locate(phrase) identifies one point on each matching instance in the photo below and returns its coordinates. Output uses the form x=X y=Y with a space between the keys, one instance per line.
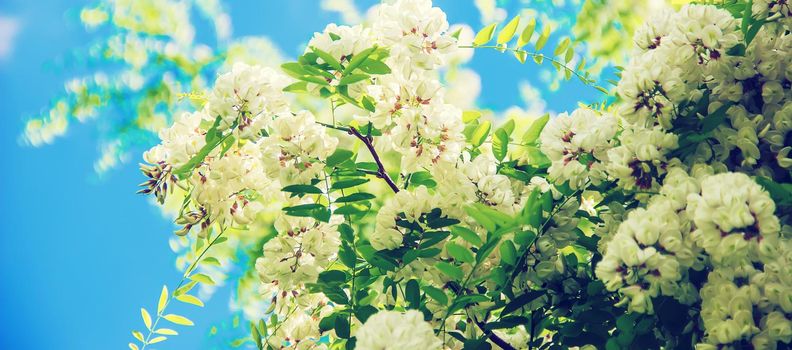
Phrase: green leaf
x=339 y=185
x=469 y=116
x=202 y=278
x=356 y=197
x=336 y=295
x=507 y=33
x=375 y=67
x=353 y=78
x=508 y=253
x=746 y=18
x=327 y=58
x=294 y=69
x=300 y=86
x=163 y=299
x=562 y=46
x=327 y=323
x=332 y=277
x=535 y=130
x=300 y=189
x=339 y=156
x=484 y=35
x=467 y=234
x=500 y=144
x=211 y=261
x=450 y=270
x=480 y=218
x=177 y=319
x=540 y=43
x=436 y=294
x=166 y=331
x=254 y=333
x=358 y=59
x=138 y=336
x=441 y=222
x=146 y=317
x=521 y=55
x=480 y=134
x=459 y=252
x=521 y=301
x=342 y=327
x=508 y=126
x=412 y=294
x=714 y=119
x=157 y=340
x=187 y=287
x=527 y=33
x=189 y=299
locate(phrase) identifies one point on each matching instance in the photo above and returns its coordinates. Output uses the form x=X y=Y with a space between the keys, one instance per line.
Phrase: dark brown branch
x=487 y=333
x=380 y=168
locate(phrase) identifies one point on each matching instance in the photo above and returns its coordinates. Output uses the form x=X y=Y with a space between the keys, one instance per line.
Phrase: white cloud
x=9 y=28
x=346 y=8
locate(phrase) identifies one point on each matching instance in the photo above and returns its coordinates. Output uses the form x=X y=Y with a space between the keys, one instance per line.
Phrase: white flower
x=405 y=205
x=248 y=97
x=295 y=148
x=577 y=145
x=732 y=214
x=179 y=142
x=392 y=330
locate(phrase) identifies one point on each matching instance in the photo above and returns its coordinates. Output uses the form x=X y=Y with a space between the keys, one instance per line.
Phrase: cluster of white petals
x=396 y=330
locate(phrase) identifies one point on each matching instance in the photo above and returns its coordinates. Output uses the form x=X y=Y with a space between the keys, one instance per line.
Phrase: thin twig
x=487 y=333
x=380 y=168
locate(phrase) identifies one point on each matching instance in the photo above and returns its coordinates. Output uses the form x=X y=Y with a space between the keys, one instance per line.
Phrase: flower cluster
x=402 y=221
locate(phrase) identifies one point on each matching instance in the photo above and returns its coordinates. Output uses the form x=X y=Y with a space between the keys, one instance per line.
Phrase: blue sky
x=79 y=252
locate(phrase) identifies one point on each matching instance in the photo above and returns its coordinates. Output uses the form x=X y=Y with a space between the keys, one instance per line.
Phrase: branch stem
x=381 y=173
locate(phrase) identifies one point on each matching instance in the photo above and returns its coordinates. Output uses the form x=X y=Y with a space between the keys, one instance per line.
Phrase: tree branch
x=489 y=333
x=380 y=168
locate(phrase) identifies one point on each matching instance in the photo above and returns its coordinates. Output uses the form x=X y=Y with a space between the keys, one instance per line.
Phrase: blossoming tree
x=660 y=219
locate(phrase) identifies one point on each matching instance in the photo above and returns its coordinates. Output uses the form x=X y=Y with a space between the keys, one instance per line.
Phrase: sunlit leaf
x=484 y=35
x=507 y=33
x=146 y=317
x=189 y=299
x=542 y=40
x=177 y=319
x=527 y=33
x=163 y=299
x=203 y=278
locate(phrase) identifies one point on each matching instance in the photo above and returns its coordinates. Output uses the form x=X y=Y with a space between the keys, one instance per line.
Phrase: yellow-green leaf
x=527 y=33
x=189 y=299
x=166 y=331
x=157 y=340
x=562 y=46
x=146 y=317
x=211 y=261
x=535 y=130
x=138 y=335
x=484 y=35
x=569 y=54
x=507 y=33
x=521 y=56
x=180 y=320
x=481 y=133
x=469 y=116
x=163 y=299
x=581 y=65
x=540 y=43
x=199 y=277
x=133 y=346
